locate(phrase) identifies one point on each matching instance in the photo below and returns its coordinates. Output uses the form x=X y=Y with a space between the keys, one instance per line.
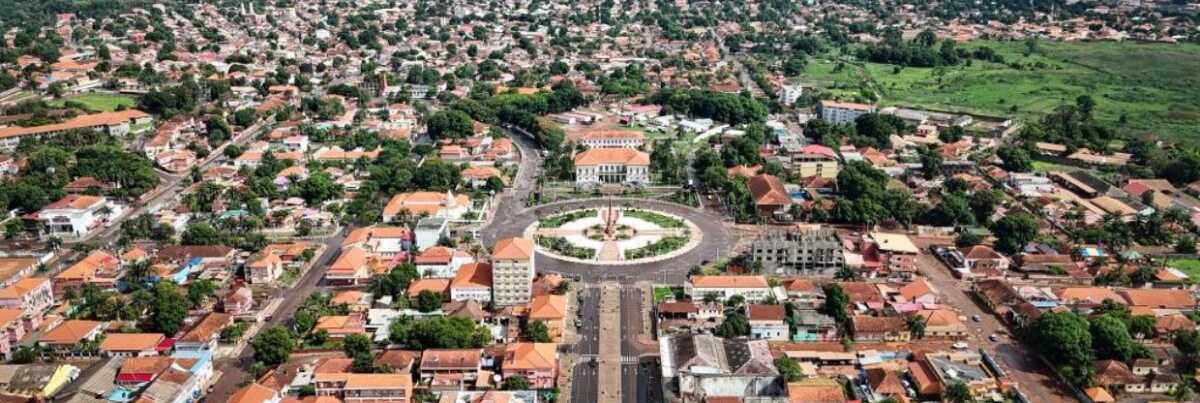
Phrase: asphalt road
x=585 y=380
x=1033 y=378
x=635 y=370
x=236 y=370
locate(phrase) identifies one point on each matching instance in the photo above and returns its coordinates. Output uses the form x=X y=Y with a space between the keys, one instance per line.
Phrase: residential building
x=842 y=112
x=788 y=94
x=943 y=324
x=98 y=268
x=352 y=267
x=536 y=362
x=441 y=261
x=133 y=344
x=114 y=123
x=433 y=204
x=753 y=288
x=768 y=322
x=31 y=295
x=451 y=369
x=67 y=338
x=880 y=328
x=812 y=251
x=815 y=160
x=387 y=243
x=771 y=199
x=552 y=311
x=472 y=282
x=205 y=334
x=597 y=166
x=74 y=216
x=814 y=326
x=513 y=268
x=263 y=268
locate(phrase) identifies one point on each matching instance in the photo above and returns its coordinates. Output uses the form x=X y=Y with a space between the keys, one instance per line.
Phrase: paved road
x=1033 y=378
x=585 y=380
x=235 y=370
x=638 y=374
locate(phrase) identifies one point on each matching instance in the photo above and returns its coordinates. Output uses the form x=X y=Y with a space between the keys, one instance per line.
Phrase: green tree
x=517 y=382
x=537 y=332
x=439 y=332
x=1014 y=231
x=428 y=301
x=273 y=346
x=1066 y=337
x=835 y=302
x=734 y=325
x=170 y=307
x=916 y=326
x=1015 y=159
x=200 y=291
x=1110 y=339
x=957 y=392
x=789 y=369
x=450 y=123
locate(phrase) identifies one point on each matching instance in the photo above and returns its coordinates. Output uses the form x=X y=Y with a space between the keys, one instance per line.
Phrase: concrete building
x=814 y=251
x=624 y=166
x=698 y=366
x=768 y=322
x=842 y=112
x=74 y=216
x=788 y=94
x=752 y=288
x=612 y=139
x=513 y=270
x=431 y=229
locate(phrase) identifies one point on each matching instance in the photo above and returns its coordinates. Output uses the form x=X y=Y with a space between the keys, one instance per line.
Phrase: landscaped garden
x=655 y=218
x=659 y=247
x=556 y=221
x=561 y=246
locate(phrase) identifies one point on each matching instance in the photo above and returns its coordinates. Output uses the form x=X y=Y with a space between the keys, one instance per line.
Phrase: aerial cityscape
x=613 y=201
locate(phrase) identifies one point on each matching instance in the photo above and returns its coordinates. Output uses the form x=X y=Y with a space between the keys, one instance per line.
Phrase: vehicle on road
x=962 y=345
x=993 y=337
x=975 y=318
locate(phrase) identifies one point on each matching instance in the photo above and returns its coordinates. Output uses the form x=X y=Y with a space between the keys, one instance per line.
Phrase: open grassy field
x=100 y=102
x=1189 y=266
x=1153 y=85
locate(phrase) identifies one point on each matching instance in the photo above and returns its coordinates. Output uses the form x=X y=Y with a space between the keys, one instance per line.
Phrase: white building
x=612 y=139
x=768 y=322
x=430 y=230
x=472 y=282
x=842 y=112
x=441 y=262
x=752 y=288
x=74 y=216
x=612 y=165
x=788 y=94
x=512 y=271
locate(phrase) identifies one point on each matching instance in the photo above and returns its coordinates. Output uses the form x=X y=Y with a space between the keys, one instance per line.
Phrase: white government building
x=624 y=166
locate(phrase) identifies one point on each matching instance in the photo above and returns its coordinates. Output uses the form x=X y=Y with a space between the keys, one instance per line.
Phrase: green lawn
x=1047 y=167
x=661 y=293
x=1152 y=84
x=1189 y=266
x=99 y=102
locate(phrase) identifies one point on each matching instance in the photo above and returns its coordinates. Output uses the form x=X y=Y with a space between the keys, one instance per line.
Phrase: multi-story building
x=842 y=112
x=114 y=123
x=788 y=94
x=536 y=362
x=814 y=251
x=31 y=295
x=624 y=166
x=815 y=160
x=768 y=322
x=612 y=139
x=512 y=271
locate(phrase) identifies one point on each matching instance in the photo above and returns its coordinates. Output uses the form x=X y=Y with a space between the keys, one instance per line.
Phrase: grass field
x=99 y=102
x=1151 y=84
x=1189 y=266
x=1047 y=167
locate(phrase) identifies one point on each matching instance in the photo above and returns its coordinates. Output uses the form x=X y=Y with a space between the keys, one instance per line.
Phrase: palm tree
x=916 y=326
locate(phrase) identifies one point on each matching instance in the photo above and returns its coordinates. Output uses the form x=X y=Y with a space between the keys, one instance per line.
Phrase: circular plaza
x=614 y=235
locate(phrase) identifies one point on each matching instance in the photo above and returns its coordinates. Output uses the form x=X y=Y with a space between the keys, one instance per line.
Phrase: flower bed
x=556 y=221
x=561 y=246
x=660 y=247
x=655 y=218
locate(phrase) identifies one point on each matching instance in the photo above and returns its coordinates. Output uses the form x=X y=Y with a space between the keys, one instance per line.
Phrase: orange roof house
x=446 y=205
x=536 y=362
x=254 y=393
x=92 y=121
x=770 y=197
x=472 y=282
x=1159 y=298
x=550 y=310
x=438 y=285
x=132 y=344
x=339 y=326
x=88 y=270
x=70 y=334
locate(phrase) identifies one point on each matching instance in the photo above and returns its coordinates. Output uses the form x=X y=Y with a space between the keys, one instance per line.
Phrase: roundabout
x=618 y=239
x=614 y=235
